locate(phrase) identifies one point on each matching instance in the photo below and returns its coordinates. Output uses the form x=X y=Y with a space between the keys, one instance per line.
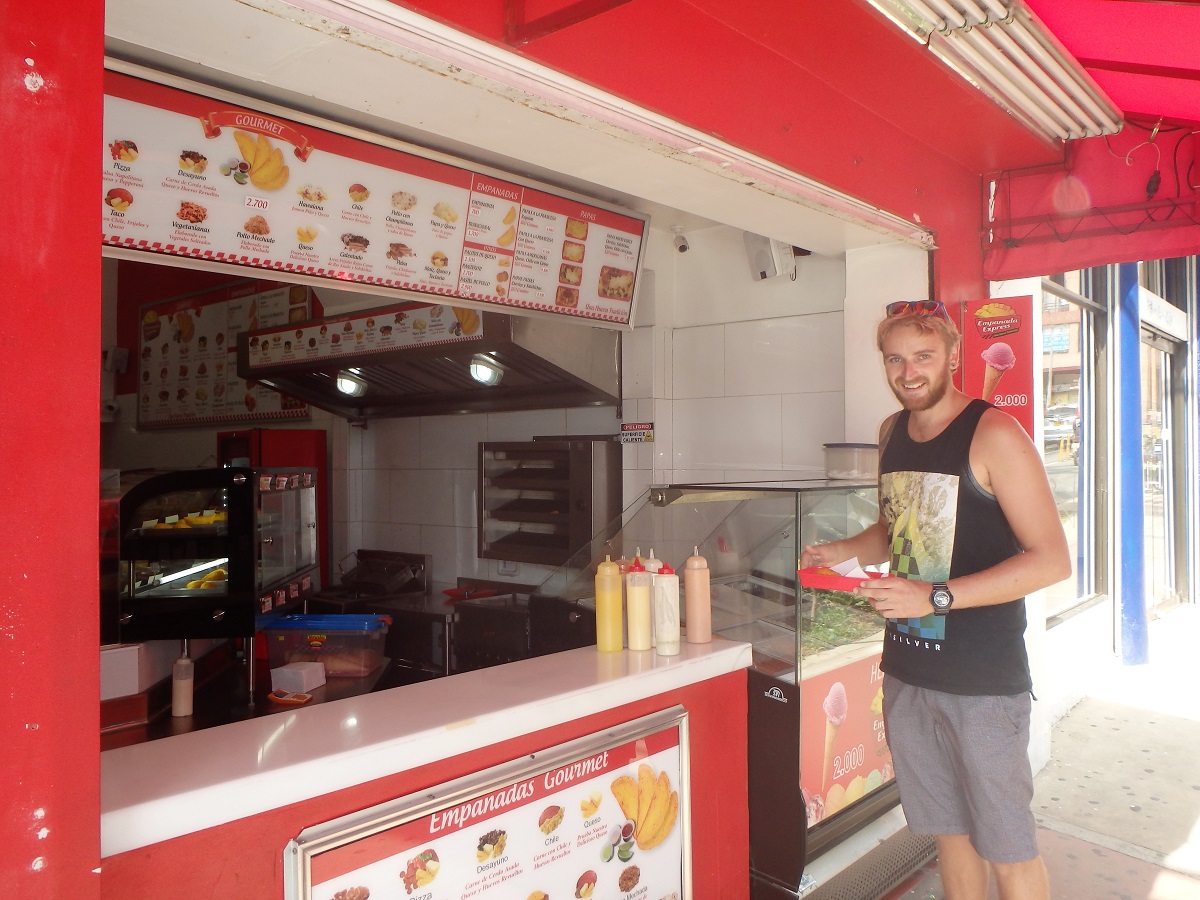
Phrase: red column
x=51 y=61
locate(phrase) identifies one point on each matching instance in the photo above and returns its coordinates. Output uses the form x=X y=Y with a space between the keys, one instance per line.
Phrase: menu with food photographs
x=188 y=176
x=608 y=821
x=187 y=357
x=372 y=331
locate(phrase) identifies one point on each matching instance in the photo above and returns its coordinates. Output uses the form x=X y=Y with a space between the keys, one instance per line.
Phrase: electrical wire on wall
x=1177 y=207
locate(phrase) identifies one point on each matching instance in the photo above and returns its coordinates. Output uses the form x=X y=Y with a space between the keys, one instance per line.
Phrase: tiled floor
x=1118 y=805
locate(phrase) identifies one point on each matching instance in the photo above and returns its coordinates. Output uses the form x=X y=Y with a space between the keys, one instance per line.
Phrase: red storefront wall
x=50 y=116
x=244 y=858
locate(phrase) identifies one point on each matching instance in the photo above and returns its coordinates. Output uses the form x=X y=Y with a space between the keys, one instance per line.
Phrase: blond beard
x=937 y=391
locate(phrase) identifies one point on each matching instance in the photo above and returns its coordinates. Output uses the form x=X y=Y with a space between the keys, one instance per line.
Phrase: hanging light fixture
x=486 y=370
x=1004 y=51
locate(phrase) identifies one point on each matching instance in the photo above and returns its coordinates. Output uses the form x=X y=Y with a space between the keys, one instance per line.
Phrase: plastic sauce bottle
x=697 y=598
x=666 y=611
x=183 y=678
x=610 y=614
x=637 y=597
x=653 y=566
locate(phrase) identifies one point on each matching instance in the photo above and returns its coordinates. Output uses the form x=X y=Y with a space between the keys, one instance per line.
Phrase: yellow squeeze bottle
x=610 y=613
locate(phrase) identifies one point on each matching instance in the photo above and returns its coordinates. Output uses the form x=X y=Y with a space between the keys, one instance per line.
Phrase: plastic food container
x=851 y=461
x=349 y=646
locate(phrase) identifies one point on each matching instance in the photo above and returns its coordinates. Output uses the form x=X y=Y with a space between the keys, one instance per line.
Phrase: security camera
x=681 y=243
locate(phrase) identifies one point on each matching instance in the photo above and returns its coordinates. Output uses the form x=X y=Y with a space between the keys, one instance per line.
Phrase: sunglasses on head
x=918 y=308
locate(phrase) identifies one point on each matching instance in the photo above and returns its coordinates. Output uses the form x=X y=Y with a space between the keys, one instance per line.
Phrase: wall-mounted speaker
x=768 y=258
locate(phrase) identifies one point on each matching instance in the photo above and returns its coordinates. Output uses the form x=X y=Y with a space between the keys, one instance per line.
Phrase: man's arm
x=1005 y=463
x=870 y=546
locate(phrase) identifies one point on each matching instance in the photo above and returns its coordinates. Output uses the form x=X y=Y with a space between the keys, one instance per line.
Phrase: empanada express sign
x=998 y=360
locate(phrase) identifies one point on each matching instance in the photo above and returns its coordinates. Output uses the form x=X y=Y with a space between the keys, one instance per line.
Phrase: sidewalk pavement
x=1118 y=805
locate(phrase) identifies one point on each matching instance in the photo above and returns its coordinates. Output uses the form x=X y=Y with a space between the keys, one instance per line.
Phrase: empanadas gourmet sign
x=188 y=176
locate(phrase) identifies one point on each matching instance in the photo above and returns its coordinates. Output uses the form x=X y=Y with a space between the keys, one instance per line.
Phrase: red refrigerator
x=282 y=447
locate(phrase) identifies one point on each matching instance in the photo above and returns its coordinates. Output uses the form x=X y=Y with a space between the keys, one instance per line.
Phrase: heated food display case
x=819 y=764
x=541 y=500
x=214 y=552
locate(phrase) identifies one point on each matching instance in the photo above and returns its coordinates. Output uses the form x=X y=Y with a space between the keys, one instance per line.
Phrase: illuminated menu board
x=188 y=176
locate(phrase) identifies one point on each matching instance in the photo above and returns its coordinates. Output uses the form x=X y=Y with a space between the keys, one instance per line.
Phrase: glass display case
x=819 y=764
x=214 y=552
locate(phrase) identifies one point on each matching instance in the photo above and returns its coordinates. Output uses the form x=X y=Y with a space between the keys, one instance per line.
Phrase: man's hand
x=897 y=598
x=818 y=555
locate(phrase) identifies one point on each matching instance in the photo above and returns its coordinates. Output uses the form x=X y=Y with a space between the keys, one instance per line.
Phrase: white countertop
x=162 y=789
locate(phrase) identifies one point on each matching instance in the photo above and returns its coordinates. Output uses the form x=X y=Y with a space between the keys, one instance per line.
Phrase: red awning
x=1145 y=54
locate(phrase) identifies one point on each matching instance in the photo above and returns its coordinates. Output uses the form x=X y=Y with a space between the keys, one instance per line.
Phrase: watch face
x=940 y=599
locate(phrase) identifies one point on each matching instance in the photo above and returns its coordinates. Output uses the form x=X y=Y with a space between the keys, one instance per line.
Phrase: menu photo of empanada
x=567 y=297
x=616 y=284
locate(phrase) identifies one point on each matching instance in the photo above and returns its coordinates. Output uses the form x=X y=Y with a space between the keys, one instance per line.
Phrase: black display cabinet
x=214 y=553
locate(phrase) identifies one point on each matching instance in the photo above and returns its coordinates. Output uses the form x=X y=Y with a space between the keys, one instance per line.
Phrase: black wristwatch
x=941 y=598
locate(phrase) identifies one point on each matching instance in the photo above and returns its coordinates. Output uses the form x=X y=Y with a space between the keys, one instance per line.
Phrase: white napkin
x=850 y=569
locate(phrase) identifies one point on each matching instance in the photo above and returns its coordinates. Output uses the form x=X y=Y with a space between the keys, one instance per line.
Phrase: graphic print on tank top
x=920 y=509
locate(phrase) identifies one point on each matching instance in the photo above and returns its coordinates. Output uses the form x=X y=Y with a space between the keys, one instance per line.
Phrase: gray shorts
x=962 y=764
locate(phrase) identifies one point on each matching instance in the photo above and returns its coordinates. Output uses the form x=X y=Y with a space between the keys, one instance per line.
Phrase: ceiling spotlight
x=486 y=370
x=351 y=383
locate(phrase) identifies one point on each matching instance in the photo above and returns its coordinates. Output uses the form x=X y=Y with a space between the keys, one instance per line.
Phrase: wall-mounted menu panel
x=189 y=176
x=187 y=356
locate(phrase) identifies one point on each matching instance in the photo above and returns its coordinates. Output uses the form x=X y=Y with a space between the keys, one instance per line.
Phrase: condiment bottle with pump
x=666 y=611
x=610 y=615
x=697 y=598
x=637 y=598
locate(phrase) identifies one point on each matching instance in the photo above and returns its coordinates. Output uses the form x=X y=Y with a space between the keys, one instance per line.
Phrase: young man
x=969 y=526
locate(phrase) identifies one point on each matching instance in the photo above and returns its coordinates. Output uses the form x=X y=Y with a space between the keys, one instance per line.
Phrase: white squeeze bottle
x=652 y=566
x=651 y=563
x=183 y=679
x=697 y=598
x=609 y=612
x=666 y=611
x=637 y=600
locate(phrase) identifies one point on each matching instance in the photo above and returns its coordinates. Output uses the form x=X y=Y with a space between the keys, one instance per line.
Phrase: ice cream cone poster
x=843 y=749
x=997 y=355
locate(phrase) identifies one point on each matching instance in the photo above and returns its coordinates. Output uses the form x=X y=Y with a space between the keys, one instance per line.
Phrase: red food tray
x=813 y=577
x=469 y=593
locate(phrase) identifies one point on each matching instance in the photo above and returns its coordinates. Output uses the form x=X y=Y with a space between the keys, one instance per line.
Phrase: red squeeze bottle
x=697 y=599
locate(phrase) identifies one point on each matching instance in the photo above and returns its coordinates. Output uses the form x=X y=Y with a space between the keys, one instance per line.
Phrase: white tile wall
x=452 y=441
x=397 y=443
x=728 y=433
x=794 y=355
x=809 y=422
x=698 y=362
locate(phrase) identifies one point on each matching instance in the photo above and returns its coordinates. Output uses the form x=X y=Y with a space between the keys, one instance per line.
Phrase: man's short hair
x=925 y=324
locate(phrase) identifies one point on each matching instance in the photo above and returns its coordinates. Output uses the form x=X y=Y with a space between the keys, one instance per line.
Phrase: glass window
x=1157 y=488
x=1056 y=339
x=1068 y=360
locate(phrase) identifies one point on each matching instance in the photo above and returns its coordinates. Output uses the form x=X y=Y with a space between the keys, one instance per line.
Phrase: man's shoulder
x=996 y=423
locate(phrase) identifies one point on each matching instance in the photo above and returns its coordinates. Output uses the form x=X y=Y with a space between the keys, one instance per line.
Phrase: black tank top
x=944 y=525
